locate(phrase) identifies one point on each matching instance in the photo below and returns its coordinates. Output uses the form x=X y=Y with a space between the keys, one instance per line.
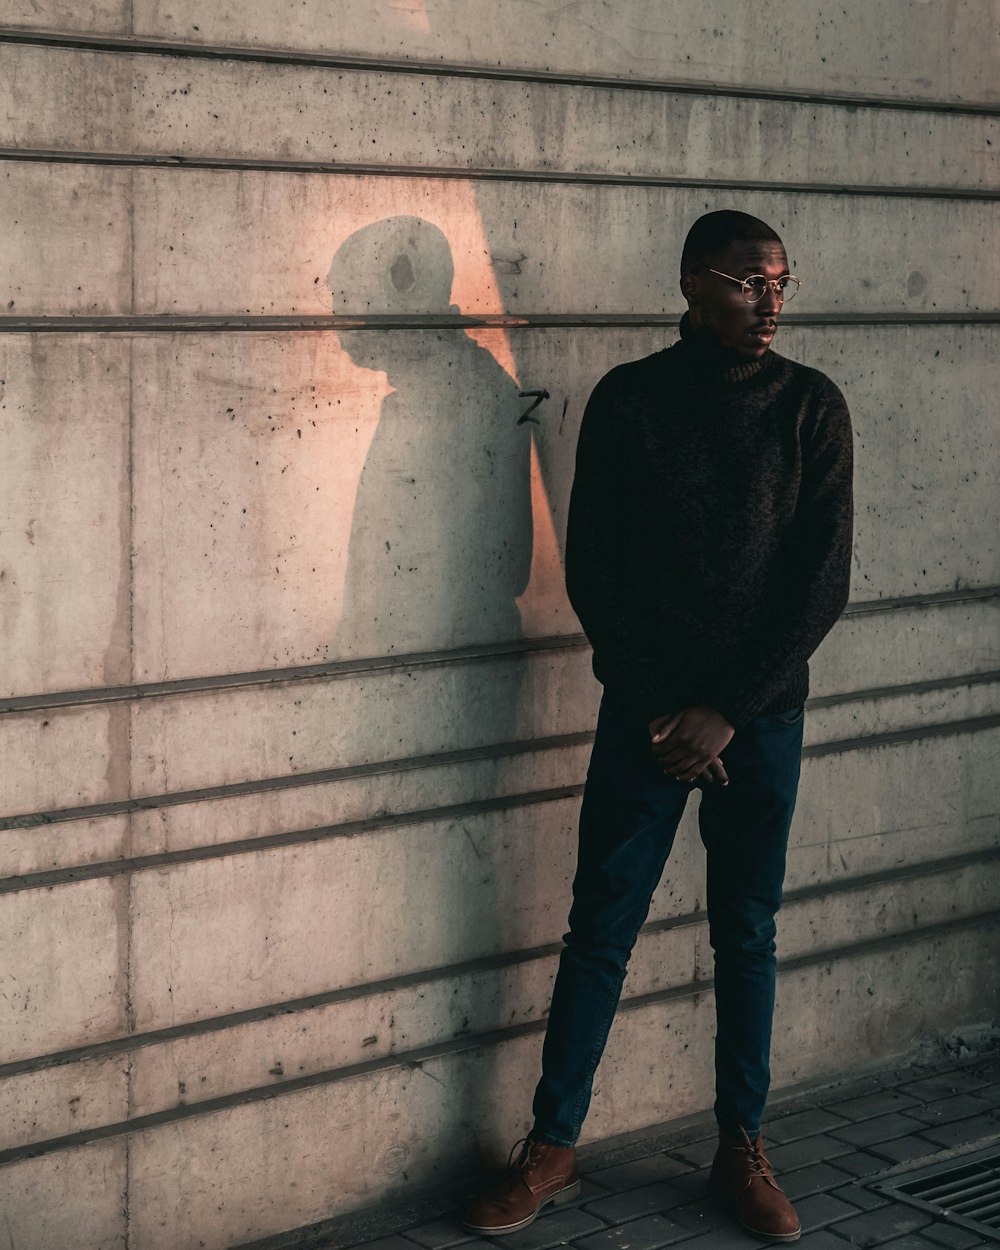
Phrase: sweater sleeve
x=813 y=579
x=599 y=578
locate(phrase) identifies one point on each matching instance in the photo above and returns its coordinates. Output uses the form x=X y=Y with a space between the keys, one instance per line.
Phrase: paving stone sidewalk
x=827 y=1147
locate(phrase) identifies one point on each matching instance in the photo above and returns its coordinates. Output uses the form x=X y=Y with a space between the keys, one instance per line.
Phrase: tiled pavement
x=642 y=1193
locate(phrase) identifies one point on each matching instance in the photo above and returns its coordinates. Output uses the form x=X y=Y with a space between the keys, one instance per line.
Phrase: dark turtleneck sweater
x=709 y=540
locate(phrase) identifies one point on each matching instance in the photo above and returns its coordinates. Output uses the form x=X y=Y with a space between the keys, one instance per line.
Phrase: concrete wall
x=295 y=713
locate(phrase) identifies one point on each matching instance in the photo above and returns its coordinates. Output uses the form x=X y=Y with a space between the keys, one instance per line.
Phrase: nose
x=771 y=302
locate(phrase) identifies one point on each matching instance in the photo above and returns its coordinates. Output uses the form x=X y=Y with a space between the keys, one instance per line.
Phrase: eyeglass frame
x=771 y=282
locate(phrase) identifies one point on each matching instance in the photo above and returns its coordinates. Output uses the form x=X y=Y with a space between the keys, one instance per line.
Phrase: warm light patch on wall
x=449 y=205
x=410 y=14
x=365 y=280
x=544 y=597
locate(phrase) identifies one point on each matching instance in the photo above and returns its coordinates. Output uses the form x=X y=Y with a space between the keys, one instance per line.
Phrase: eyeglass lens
x=755 y=286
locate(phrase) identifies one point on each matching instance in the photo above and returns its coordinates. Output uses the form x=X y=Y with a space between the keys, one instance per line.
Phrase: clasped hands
x=687 y=744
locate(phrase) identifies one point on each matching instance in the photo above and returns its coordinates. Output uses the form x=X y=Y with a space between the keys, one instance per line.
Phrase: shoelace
x=524 y=1159
x=759 y=1165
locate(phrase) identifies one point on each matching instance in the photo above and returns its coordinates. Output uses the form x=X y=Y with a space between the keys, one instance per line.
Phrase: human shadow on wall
x=441 y=533
x=440 y=550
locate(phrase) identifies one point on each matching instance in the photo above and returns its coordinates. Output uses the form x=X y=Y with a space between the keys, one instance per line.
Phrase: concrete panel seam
x=480 y=173
x=130 y=1013
x=491 y=751
x=390 y=820
x=412 y=1059
x=204 y=323
x=846 y=950
x=450 y=972
x=416 y=1058
x=291 y=781
x=215 y=1024
x=295 y=837
x=905 y=688
x=445 y=658
x=440 y=69
x=334 y=670
x=963 y=595
x=894 y=737
x=890 y=941
x=899 y=872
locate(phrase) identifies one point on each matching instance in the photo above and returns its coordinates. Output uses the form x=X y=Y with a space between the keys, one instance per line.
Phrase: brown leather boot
x=741 y=1177
x=541 y=1175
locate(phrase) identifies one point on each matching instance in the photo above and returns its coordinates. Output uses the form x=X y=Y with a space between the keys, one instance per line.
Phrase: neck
x=714 y=360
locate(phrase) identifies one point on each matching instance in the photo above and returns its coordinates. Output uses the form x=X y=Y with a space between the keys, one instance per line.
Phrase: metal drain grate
x=965 y=1189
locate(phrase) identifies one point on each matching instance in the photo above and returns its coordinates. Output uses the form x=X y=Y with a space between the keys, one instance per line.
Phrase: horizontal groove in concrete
x=481 y=173
x=441 y=69
x=933 y=599
x=905 y=688
x=290 y=781
x=884 y=876
x=897 y=736
x=203 y=323
x=217 y=1024
x=294 y=837
x=396 y=820
x=415 y=1058
x=333 y=669
x=412 y=660
x=287 y=781
x=486 y=963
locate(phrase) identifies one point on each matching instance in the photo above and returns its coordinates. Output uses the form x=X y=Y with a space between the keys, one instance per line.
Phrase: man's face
x=718 y=305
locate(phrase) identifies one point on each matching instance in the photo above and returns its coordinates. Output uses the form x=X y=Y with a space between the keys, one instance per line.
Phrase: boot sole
x=755 y=1232
x=557 y=1200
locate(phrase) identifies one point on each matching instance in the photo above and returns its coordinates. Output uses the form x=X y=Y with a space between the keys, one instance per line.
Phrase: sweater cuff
x=740 y=711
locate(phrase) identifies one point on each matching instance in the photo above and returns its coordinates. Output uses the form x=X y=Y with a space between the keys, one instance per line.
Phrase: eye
x=783 y=282
x=756 y=284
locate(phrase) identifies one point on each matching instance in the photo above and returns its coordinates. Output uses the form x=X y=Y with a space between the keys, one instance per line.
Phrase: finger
x=689 y=771
x=691 y=768
x=667 y=728
x=674 y=754
x=717 y=771
x=662 y=751
x=686 y=759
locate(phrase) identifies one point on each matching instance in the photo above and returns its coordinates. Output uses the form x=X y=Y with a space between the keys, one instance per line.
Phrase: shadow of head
x=400 y=267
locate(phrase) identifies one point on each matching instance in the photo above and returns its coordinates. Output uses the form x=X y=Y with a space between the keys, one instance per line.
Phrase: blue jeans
x=629 y=817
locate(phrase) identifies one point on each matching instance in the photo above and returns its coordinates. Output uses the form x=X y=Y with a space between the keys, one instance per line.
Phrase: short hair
x=714 y=231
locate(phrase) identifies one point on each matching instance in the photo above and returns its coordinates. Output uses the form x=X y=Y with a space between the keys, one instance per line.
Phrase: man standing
x=708 y=553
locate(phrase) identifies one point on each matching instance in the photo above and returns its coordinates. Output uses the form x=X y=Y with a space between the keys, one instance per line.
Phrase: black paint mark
x=526 y=415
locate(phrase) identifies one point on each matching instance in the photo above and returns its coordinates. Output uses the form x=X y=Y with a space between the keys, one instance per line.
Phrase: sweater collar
x=711 y=359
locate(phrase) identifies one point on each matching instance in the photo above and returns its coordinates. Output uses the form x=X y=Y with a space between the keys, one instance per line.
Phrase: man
x=708 y=553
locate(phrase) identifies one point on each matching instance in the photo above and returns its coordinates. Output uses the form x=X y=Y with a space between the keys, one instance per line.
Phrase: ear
x=689 y=288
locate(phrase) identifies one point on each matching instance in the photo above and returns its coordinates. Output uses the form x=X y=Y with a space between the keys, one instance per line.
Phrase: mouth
x=763 y=332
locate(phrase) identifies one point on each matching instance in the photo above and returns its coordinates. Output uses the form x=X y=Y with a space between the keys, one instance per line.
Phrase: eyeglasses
x=755 y=287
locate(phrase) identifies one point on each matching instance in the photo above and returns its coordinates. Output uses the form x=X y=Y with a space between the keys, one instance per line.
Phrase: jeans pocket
x=793 y=716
